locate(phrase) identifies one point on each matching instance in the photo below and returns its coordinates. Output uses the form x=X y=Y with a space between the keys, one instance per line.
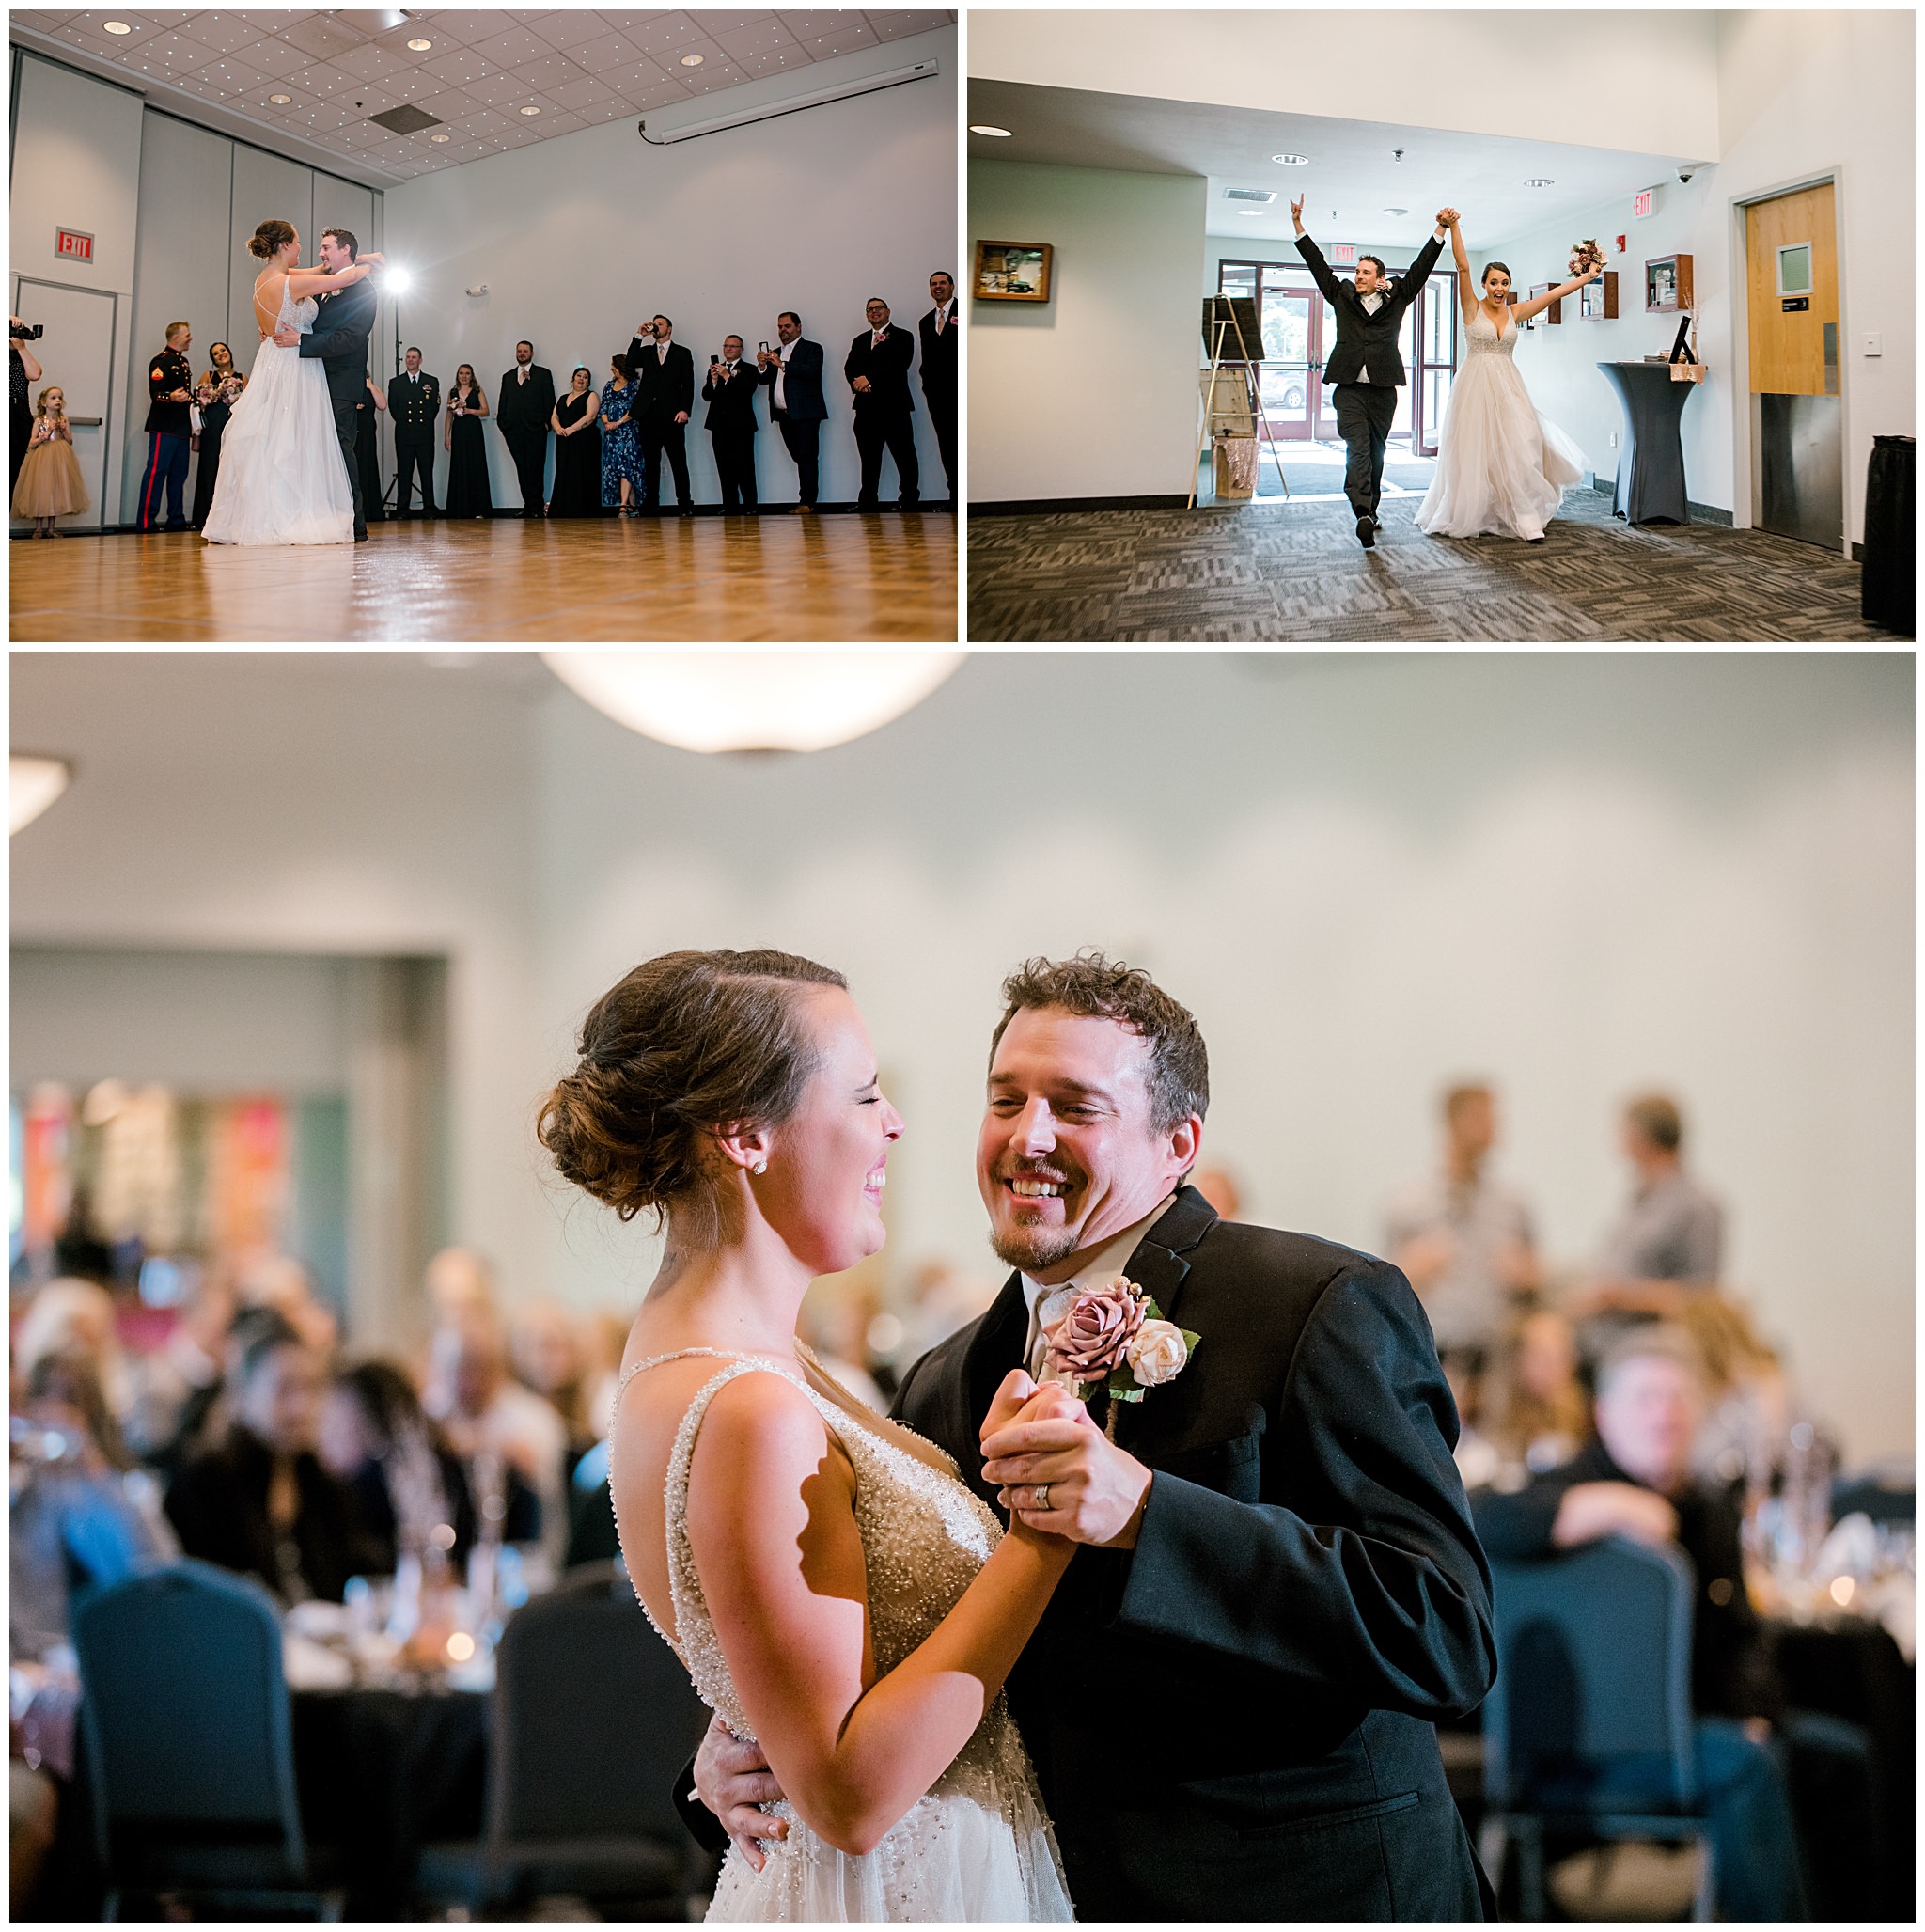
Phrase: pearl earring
x=761 y=1167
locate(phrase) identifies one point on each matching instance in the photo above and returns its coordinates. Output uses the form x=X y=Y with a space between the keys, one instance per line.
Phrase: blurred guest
x=1541 y=1416
x=220 y=388
x=491 y=1421
x=523 y=405
x=50 y=484
x=260 y=1502
x=411 y=1492
x=577 y=450
x=1671 y=1236
x=621 y=445
x=1218 y=1186
x=1747 y=1392
x=1479 y=1461
x=84 y=1514
x=940 y=357
x=1463 y=1238
x=834 y=1322
x=605 y=1336
x=269 y=1280
x=1635 y=1480
x=178 y=1385
x=876 y=368
x=793 y=371
x=458 y=1279
x=74 y=1317
x=368 y=414
x=414 y=401
x=170 y=389
x=730 y=393
x=22 y=372
x=666 y=396
x=468 y=494
x=545 y=1350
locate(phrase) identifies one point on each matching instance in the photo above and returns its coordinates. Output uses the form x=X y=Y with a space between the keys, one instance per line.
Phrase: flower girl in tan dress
x=50 y=483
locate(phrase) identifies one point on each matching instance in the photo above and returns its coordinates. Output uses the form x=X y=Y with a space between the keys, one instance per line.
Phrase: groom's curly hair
x=1093 y=987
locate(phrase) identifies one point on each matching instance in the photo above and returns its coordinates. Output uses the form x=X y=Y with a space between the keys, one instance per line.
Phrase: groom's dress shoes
x=1367 y=532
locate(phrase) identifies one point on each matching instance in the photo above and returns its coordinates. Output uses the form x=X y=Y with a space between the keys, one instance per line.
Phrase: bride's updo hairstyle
x=1498 y=267
x=270 y=237
x=686 y=1045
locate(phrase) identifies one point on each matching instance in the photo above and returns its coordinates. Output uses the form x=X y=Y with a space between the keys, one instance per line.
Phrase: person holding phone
x=730 y=393
x=792 y=373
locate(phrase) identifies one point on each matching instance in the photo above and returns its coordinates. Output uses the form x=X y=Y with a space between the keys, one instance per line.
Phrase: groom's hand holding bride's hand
x=733 y=1780
x=1042 y=1439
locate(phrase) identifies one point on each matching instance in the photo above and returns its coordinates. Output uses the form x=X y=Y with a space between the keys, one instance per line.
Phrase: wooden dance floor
x=838 y=578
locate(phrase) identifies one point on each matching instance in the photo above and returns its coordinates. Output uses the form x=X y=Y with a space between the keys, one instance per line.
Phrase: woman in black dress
x=468 y=458
x=577 y=451
x=368 y=414
x=219 y=390
x=22 y=371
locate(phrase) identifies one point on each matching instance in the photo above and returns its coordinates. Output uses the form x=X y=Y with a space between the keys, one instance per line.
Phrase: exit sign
x=1344 y=254
x=1641 y=205
x=72 y=245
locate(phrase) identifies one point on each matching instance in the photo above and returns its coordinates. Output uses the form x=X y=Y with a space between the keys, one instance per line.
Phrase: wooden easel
x=1222 y=320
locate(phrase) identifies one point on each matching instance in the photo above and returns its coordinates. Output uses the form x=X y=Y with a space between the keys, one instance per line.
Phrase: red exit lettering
x=1641 y=205
x=1344 y=254
x=73 y=245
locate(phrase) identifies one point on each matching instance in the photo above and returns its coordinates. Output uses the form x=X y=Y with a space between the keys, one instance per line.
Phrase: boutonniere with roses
x=1113 y=1337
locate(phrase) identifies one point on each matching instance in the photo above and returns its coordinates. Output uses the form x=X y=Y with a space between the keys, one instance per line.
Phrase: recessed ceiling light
x=437 y=137
x=116 y=26
x=1293 y=160
x=280 y=100
x=1255 y=213
x=1540 y=181
x=531 y=110
x=691 y=60
x=419 y=46
x=1397 y=211
x=977 y=127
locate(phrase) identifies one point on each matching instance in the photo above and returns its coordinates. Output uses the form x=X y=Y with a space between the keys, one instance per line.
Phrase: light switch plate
x=1871 y=343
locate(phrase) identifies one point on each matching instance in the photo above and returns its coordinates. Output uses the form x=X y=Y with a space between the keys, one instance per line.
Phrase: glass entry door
x=1289 y=374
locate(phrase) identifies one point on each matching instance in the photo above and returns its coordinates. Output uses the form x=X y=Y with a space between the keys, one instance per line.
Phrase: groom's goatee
x=1033 y=1247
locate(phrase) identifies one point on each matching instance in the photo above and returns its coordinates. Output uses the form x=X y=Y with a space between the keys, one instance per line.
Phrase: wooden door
x=1794 y=349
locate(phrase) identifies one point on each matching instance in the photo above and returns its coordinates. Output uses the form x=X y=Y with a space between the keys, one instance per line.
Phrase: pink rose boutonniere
x=1114 y=1337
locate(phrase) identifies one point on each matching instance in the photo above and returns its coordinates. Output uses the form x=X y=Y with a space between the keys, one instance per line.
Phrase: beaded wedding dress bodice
x=1486 y=339
x=977 y=1846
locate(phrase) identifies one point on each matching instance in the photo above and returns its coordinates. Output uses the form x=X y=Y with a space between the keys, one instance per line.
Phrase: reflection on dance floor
x=824 y=580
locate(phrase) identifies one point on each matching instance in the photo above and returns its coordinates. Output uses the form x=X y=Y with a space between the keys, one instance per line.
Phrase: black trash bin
x=1887 y=591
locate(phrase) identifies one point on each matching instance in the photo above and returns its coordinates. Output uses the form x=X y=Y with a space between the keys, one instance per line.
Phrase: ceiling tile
x=83 y=30
x=323 y=80
x=177 y=54
x=719 y=23
x=553 y=121
x=498 y=89
x=759 y=36
x=805 y=26
x=610 y=50
x=42 y=22
x=574 y=27
x=541 y=76
x=459 y=66
x=779 y=61
x=226 y=33
x=844 y=41
x=598 y=112
x=376 y=62
x=278 y=56
x=322 y=36
x=899 y=27
x=638 y=77
x=623 y=22
x=667 y=95
x=578 y=94
x=669 y=31
x=234 y=77
x=512 y=48
x=466 y=27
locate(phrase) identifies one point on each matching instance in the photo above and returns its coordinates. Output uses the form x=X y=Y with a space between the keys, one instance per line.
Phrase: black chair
x=185 y=1727
x=593 y=1720
x=1593 y=1676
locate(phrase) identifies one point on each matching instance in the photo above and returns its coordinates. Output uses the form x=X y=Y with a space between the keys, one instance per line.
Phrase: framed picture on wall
x=1012 y=271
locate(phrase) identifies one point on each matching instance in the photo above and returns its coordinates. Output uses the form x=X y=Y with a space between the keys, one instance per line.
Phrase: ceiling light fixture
x=115 y=26
x=33 y=781
x=1255 y=213
x=977 y=127
x=752 y=701
x=1292 y=160
x=531 y=110
x=280 y=100
x=1539 y=181
x=692 y=59
x=437 y=137
x=1397 y=211
x=419 y=46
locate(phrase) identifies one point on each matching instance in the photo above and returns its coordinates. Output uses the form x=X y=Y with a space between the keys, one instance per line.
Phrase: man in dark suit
x=877 y=366
x=522 y=406
x=1367 y=366
x=794 y=375
x=940 y=334
x=1231 y=1700
x=730 y=393
x=368 y=414
x=414 y=401
x=666 y=396
x=339 y=341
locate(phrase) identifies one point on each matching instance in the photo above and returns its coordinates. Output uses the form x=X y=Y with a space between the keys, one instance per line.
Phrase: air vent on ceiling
x=407 y=119
x=1249 y=194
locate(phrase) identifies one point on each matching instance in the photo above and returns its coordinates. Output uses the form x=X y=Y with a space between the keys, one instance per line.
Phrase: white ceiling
x=1352 y=166
x=482 y=68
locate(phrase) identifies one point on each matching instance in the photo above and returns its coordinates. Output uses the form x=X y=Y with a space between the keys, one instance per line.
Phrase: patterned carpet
x=1295 y=574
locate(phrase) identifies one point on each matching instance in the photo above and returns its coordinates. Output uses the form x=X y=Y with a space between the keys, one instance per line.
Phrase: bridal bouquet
x=1114 y=1337
x=1585 y=257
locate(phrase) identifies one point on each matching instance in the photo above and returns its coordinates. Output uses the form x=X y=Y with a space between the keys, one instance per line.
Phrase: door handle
x=85 y=422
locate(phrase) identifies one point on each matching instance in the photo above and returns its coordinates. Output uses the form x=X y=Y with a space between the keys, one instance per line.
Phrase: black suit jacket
x=414 y=407
x=731 y=404
x=665 y=385
x=802 y=386
x=520 y=406
x=939 y=356
x=1305 y=1596
x=1359 y=334
x=888 y=370
x=338 y=341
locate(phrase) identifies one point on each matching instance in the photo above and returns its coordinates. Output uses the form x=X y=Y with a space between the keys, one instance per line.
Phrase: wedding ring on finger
x=1042 y=1495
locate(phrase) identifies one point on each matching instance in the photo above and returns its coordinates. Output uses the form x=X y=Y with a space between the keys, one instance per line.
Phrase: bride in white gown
x=836 y=1592
x=282 y=478
x=1502 y=469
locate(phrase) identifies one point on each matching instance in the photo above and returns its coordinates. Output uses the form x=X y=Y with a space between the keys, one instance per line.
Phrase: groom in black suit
x=1367 y=365
x=339 y=341
x=1231 y=1700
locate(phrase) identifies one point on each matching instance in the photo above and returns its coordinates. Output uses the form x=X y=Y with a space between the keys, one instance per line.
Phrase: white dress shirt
x=1104 y=1265
x=783 y=354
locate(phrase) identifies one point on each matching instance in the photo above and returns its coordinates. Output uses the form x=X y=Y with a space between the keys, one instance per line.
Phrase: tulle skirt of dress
x=283 y=479
x=1502 y=469
x=956 y=1856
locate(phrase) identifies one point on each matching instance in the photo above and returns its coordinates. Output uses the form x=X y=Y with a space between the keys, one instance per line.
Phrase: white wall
x=577 y=237
x=1800 y=94
x=1121 y=326
x=1579 y=874
x=1531 y=72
